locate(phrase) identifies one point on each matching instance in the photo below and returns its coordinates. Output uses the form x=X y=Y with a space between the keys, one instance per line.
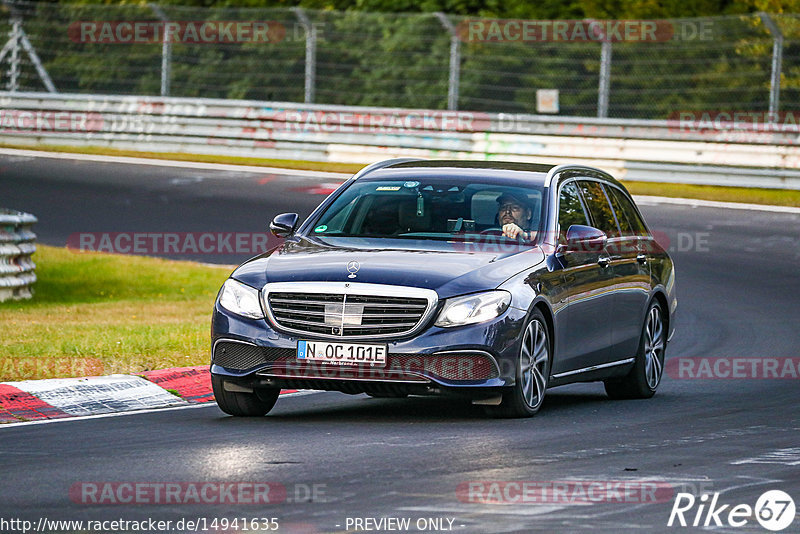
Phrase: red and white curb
x=59 y=398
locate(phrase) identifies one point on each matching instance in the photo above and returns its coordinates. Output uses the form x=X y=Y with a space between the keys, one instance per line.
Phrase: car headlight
x=240 y=299
x=472 y=309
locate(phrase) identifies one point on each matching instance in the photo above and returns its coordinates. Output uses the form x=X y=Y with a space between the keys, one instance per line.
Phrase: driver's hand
x=513 y=231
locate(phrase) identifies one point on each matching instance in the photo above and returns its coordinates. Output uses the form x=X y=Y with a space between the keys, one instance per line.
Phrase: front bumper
x=470 y=359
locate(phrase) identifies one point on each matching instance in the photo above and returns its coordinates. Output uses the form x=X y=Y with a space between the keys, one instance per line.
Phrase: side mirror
x=582 y=238
x=283 y=225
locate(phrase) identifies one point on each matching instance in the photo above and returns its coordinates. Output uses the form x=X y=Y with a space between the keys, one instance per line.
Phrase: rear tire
x=648 y=368
x=242 y=404
x=532 y=372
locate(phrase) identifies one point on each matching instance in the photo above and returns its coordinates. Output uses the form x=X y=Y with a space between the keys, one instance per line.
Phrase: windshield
x=433 y=208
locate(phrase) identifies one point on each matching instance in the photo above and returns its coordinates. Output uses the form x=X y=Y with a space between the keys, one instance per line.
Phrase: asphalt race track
x=341 y=458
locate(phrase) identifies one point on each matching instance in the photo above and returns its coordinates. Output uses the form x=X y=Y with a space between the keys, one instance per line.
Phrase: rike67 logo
x=774 y=510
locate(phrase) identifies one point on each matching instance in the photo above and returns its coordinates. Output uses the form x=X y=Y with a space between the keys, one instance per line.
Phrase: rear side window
x=599 y=208
x=622 y=203
x=570 y=208
x=622 y=218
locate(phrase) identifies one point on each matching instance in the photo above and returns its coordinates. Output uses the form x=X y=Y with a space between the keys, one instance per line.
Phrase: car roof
x=475 y=164
x=491 y=170
x=537 y=173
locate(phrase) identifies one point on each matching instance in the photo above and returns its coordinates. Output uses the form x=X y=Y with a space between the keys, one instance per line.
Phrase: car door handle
x=641 y=258
x=604 y=261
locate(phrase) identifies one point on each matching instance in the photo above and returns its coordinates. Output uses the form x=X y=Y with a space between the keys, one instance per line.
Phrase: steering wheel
x=493 y=231
x=499 y=232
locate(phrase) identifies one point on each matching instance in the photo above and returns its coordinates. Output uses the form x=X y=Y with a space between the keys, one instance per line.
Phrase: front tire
x=241 y=404
x=642 y=381
x=532 y=372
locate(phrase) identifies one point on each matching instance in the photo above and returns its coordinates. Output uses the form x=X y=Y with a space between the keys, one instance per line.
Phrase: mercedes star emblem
x=352 y=267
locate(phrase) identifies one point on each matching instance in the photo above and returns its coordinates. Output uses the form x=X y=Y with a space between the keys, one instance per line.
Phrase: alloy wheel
x=534 y=358
x=654 y=347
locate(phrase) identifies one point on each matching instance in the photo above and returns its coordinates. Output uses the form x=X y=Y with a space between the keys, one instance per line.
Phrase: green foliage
x=524 y=9
x=368 y=54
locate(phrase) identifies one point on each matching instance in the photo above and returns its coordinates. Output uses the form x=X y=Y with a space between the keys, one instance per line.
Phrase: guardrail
x=17 y=243
x=680 y=151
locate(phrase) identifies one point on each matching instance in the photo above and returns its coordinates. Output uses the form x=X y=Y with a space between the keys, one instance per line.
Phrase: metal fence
x=429 y=61
x=630 y=149
x=17 y=243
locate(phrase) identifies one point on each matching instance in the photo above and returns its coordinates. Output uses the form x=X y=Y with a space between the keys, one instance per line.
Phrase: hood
x=449 y=268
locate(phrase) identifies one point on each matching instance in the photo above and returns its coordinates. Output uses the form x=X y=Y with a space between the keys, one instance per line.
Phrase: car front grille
x=346 y=315
x=243 y=356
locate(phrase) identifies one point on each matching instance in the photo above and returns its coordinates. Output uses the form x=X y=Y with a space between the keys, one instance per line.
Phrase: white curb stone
x=100 y=395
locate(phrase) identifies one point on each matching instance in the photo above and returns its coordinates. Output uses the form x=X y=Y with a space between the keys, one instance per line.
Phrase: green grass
x=349 y=168
x=95 y=313
x=750 y=195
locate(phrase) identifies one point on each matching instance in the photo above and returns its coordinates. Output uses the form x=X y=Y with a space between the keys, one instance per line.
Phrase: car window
x=337 y=223
x=637 y=226
x=570 y=208
x=484 y=205
x=599 y=208
x=430 y=208
x=622 y=218
x=484 y=208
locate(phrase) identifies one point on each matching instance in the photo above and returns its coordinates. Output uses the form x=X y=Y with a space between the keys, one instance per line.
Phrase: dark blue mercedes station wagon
x=489 y=281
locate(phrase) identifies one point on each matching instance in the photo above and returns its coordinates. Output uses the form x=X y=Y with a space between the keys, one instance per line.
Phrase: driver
x=514 y=215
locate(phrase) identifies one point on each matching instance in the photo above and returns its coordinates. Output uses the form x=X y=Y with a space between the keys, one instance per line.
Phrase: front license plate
x=341 y=353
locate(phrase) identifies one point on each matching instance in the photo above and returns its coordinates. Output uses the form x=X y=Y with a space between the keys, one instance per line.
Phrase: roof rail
x=569 y=166
x=381 y=164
